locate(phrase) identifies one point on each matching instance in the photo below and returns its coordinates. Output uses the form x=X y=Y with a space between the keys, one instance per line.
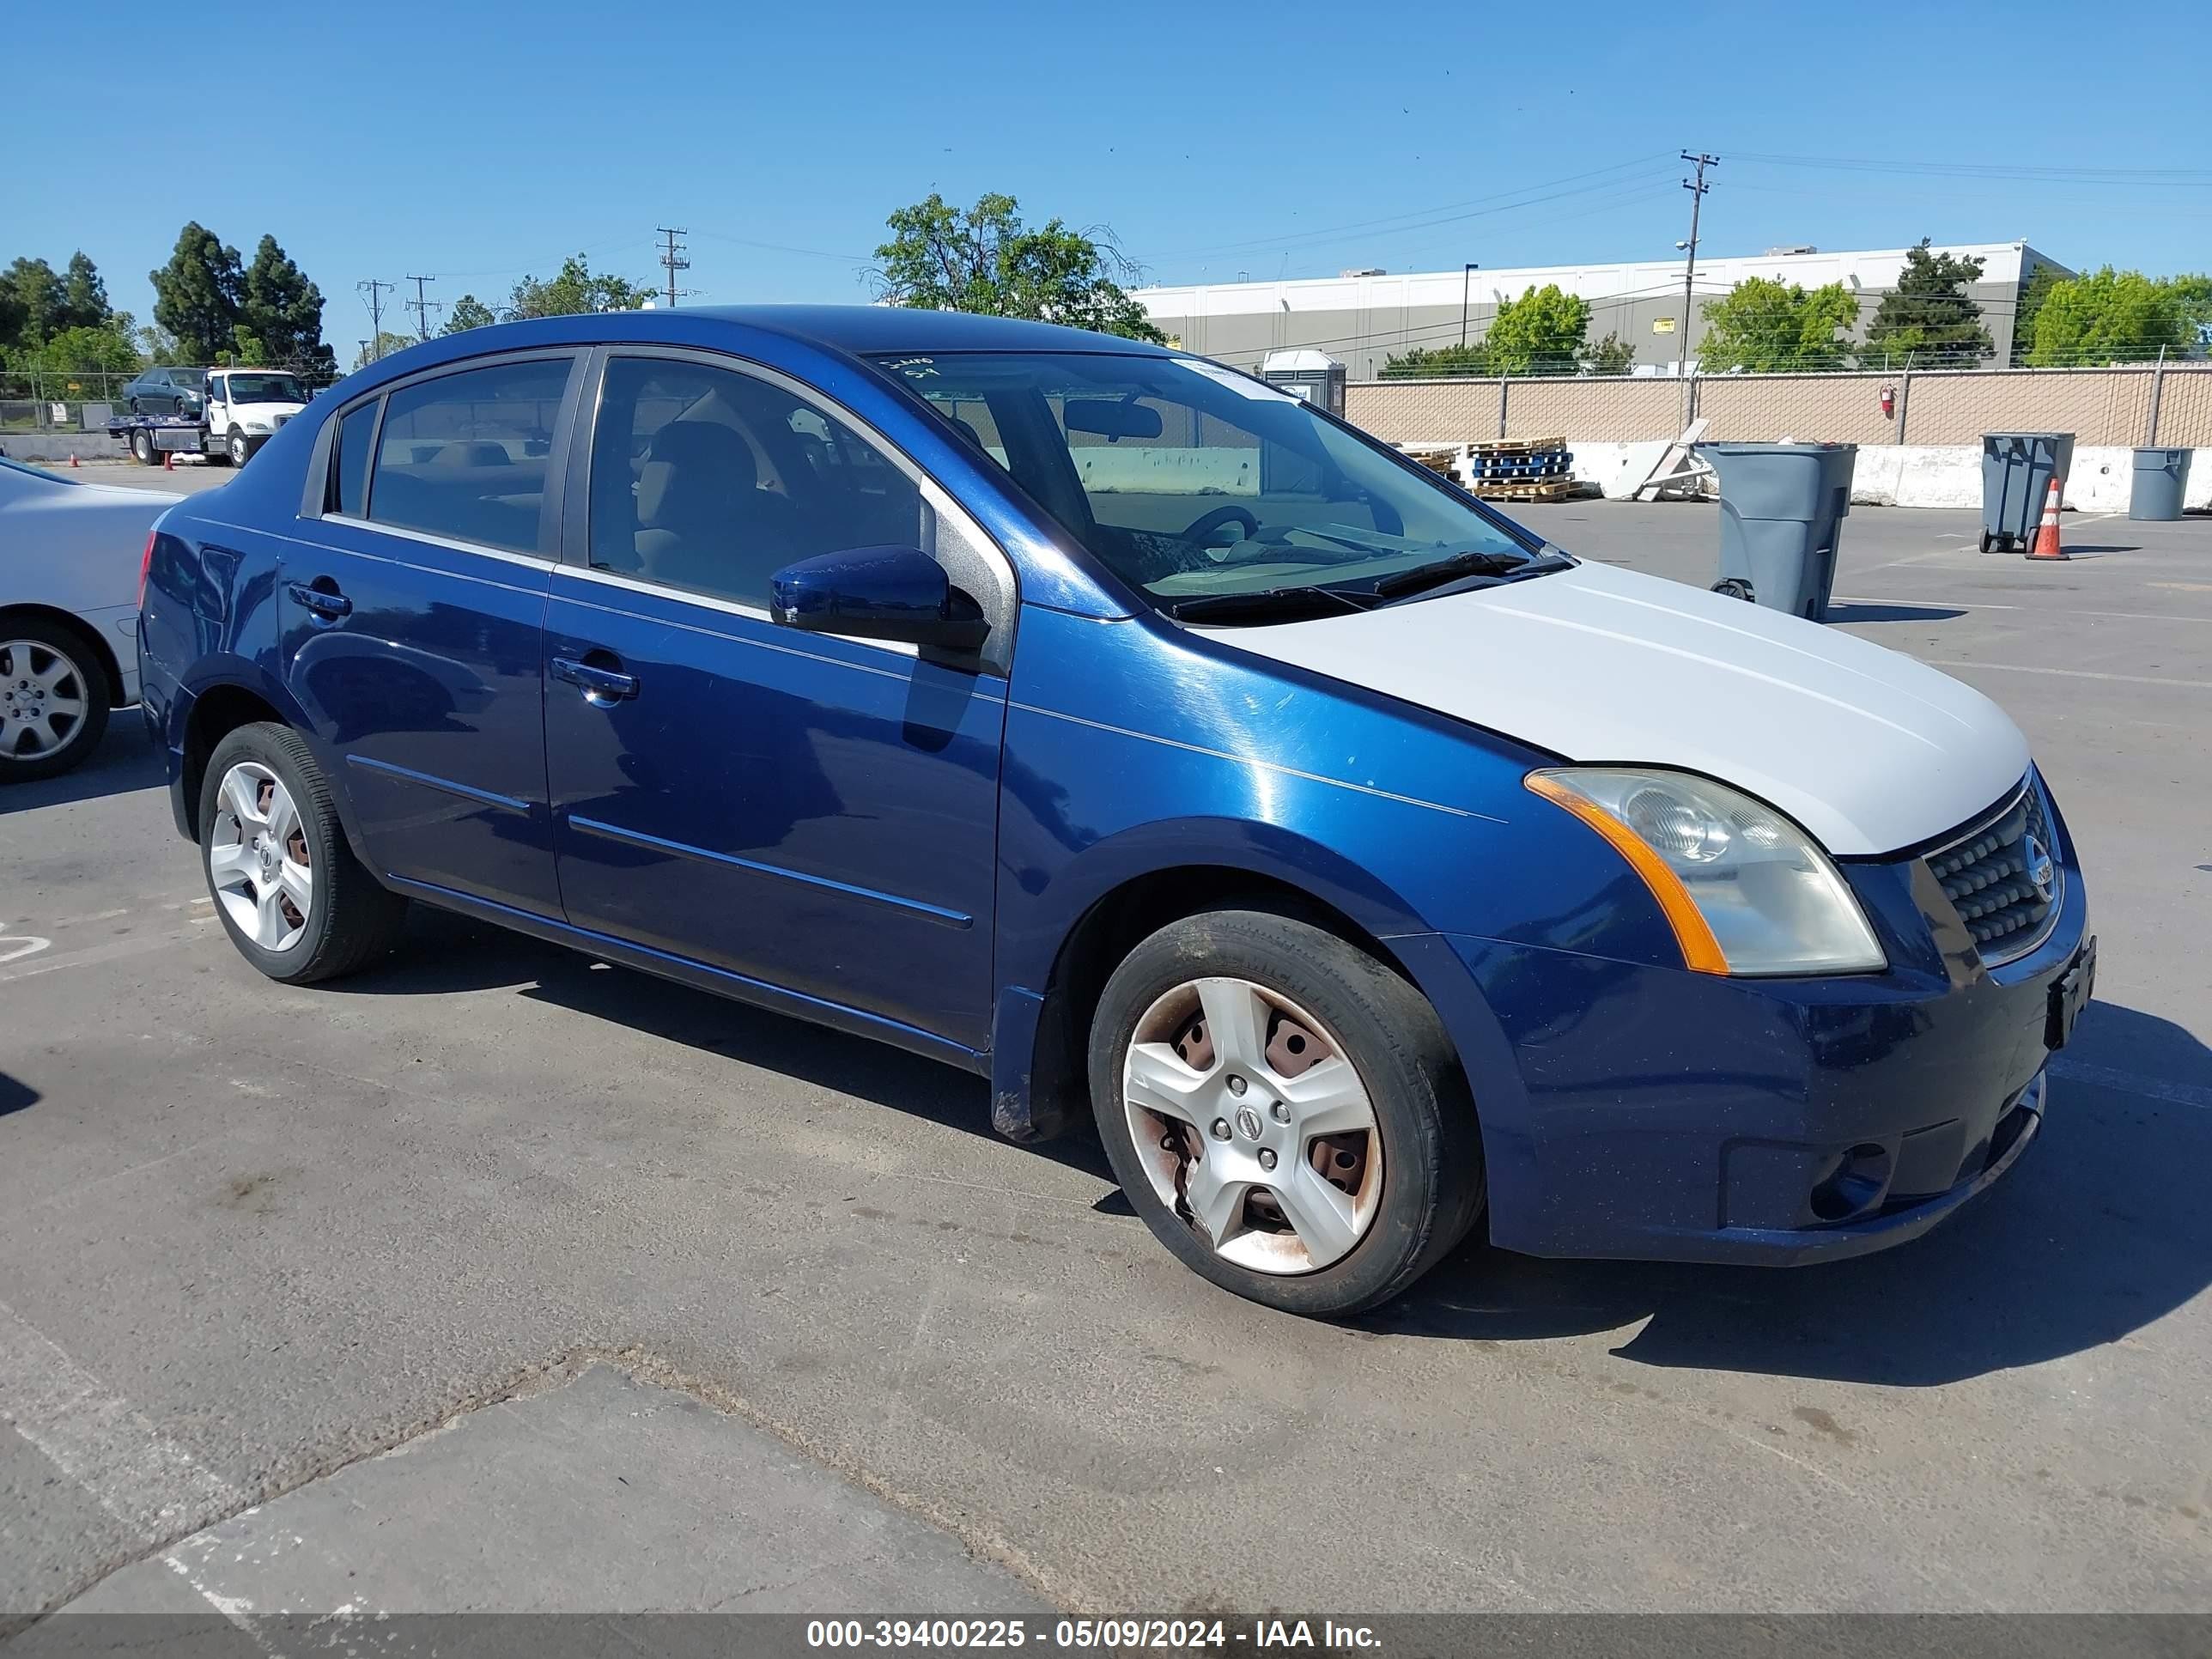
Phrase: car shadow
x=444 y=952
x=124 y=762
x=15 y=1095
x=2100 y=1229
x=1877 y=613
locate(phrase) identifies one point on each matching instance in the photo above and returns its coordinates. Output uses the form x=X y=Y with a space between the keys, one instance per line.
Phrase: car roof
x=869 y=330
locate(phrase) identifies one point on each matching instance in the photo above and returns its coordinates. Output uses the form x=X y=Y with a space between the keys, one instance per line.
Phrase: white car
x=71 y=554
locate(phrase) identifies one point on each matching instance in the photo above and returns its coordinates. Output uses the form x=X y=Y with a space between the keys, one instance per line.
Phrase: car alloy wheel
x=1253 y=1126
x=258 y=859
x=42 y=700
x=239 y=450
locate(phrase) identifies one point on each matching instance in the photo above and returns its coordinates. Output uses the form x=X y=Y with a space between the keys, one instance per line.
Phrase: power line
x=673 y=259
x=422 y=307
x=375 y=289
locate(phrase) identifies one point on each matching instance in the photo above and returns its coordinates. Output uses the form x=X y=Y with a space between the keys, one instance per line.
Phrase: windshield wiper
x=1268 y=604
x=1485 y=563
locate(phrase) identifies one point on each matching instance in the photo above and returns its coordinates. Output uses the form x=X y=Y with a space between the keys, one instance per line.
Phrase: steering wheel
x=1202 y=531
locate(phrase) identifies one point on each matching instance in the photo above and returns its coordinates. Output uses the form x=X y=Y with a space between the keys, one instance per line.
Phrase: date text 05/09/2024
x=1109 y=1635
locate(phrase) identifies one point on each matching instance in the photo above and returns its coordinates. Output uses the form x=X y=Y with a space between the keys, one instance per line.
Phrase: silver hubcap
x=1253 y=1126
x=42 y=699
x=258 y=859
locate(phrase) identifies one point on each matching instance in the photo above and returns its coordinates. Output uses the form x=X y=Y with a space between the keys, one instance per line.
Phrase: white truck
x=233 y=415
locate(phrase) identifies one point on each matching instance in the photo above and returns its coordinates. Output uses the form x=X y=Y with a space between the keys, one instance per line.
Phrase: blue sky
x=478 y=140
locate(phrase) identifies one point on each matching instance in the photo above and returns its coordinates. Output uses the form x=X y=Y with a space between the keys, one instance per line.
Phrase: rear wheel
x=53 y=700
x=293 y=899
x=1734 y=588
x=1283 y=1111
x=141 y=445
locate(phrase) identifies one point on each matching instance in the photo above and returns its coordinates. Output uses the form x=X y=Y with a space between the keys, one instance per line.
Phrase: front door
x=817 y=815
x=413 y=626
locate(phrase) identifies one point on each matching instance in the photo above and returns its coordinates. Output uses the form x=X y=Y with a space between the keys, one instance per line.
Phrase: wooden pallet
x=1445 y=461
x=1517 y=447
x=1552 y=489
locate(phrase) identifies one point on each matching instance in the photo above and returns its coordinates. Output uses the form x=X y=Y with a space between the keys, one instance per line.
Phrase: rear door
x=413 y=623
x=817 y=814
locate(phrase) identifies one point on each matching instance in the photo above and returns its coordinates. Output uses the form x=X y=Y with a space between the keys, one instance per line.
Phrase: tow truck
x=235 y=414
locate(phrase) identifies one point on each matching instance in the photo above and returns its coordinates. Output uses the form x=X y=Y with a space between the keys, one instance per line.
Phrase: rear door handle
x=601 y=685
x=323 y=601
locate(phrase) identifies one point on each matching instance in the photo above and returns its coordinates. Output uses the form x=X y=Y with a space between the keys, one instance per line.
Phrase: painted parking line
x=2070 y=673
x=2132 y=1083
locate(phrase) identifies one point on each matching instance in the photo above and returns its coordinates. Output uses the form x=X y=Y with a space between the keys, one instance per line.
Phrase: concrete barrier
x=60 y=446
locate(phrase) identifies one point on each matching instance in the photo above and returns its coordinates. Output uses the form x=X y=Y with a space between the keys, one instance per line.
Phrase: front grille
x=279 y=421
x=1988 y=874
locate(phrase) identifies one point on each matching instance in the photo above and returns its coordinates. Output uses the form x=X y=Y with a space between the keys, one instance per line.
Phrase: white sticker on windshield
x=1243 y=385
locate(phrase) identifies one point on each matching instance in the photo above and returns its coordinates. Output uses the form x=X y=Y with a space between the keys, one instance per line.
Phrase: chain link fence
x=2151 y=404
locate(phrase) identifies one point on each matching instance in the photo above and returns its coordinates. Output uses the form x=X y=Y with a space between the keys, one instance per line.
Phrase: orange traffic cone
x=2046 y=535
x=168 y=460
x=72 y=458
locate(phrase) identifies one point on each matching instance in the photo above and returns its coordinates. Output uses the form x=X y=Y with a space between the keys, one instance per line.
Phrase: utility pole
x=375 y=289
x=1466 y=289
x=422 y=307
x=673 y=259
x=1697 y=189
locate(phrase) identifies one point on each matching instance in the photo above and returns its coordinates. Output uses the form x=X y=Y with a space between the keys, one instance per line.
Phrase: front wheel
x=1284 y=1112
x=293 y=899
x=241 y=449
x=53 y=700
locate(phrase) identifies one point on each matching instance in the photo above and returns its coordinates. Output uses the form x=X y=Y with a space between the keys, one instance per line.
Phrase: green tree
x=104 y=350
x=282 y=312
x=383 y=345
x=35 y=301
x=985 y=259
x=2195 y=294
x=1611 y=355
x=2112 y=317
x=468 y=312
x=574 y=288
x=2031 y=302
x=84 y=296
x=1764 y=324
x=199 y=294
x=1540 y=333
x=1928 y=318
x=1438 y=362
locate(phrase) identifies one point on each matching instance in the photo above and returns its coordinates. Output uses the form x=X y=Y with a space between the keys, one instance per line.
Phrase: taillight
x=146 y=567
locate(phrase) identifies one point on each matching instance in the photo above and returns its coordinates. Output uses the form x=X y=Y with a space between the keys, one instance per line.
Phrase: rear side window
x=465 y=455
x=355 y=429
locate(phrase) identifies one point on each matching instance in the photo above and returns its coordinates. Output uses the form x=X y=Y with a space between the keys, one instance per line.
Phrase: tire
x=1426 y=1173
x=347 y=919
x=240 y=448
x=141 y=445
x=1734 y=588
x=1988 y=541
x=52 y=676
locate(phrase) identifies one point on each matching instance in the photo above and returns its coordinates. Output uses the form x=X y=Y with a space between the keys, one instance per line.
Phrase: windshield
x=266 y=389
x=1217 y=495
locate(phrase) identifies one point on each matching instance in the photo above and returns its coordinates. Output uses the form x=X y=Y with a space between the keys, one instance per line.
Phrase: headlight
x=1746 y=890
x=256 y=426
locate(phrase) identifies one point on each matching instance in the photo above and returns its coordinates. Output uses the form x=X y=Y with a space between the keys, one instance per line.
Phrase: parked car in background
x=69 y=558
x=167 y=390
x=1115 y=727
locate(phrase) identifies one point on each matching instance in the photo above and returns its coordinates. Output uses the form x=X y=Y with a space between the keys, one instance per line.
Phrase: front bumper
x=1641 y=1112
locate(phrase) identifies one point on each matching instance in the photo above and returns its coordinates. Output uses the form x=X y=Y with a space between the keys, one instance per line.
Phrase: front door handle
x=325 y=602
x=601 y=685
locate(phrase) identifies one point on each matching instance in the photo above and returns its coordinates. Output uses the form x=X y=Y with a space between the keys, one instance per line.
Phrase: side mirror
x=877 y=593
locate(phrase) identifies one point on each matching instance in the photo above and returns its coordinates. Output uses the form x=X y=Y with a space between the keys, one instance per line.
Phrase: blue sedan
x=1114 y=726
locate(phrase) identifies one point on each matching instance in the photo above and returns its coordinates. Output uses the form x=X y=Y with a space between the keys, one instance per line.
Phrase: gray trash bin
x=2017 y=468
x=2161 y=480
x=1782 y=512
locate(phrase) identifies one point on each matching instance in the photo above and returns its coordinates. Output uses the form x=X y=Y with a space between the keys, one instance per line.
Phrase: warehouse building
x=1364 y=318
